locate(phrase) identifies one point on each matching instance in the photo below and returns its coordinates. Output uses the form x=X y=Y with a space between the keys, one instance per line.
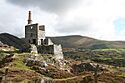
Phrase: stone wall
x=49 y=49
x=31 y=33
x=34 y=33
x=47 y=41
x=58 y=52
x=41 y=34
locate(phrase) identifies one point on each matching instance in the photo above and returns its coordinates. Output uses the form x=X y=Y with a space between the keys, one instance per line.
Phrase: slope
x=77 y=41
x=73 y=41
x=14 y=41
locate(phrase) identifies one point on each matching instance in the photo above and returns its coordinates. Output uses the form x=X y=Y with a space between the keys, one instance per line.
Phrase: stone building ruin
x=35 y=35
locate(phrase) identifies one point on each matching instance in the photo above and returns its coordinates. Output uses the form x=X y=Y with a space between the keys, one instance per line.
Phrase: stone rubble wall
x=58 y=52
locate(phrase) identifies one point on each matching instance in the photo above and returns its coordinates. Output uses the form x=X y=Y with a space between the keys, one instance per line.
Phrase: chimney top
x=29 y=18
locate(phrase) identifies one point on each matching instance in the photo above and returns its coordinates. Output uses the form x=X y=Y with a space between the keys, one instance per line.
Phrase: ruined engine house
x=35 y=34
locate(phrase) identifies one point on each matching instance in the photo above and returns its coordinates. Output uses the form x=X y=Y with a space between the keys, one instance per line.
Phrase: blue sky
x=119 y=25
x=101 y=19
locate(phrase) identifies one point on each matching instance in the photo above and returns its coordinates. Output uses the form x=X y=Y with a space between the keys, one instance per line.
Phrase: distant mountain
x=77 y=41
x=73 y=41
x=14 y=41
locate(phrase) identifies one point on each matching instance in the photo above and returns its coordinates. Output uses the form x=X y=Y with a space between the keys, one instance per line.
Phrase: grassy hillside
x=19 y=72
x=78 y=66
x=83 y=42
x=115 y=57
x=74 y=41
x=14 y=41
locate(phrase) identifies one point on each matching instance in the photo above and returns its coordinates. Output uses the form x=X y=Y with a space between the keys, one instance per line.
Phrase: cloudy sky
x=101 y=19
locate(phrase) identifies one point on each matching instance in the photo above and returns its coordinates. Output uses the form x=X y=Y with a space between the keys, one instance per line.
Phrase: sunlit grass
x=110 y=49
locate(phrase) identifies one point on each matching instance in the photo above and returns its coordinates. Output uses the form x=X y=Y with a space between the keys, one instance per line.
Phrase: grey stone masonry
x=35 y=35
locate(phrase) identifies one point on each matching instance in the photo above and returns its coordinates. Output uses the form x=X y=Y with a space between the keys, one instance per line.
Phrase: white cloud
x=94 y=18
x=99 y=16
x=58 y=6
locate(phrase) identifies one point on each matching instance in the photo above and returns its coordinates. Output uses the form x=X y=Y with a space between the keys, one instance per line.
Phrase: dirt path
x=71 y=78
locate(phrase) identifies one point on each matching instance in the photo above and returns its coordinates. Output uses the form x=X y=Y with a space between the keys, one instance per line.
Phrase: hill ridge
x=14 y=41
x=70 y=41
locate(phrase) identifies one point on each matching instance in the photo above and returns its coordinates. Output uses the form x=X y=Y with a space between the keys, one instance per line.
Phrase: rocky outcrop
x=78 y=68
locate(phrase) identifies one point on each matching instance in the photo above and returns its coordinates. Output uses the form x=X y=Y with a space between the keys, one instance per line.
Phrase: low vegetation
x=114 y=57
x=78 y=67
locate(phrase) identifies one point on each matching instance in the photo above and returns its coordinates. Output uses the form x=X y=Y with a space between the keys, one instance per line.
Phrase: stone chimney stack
x=29 y=18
